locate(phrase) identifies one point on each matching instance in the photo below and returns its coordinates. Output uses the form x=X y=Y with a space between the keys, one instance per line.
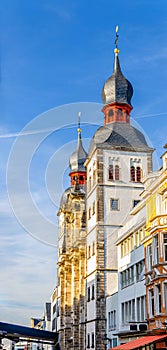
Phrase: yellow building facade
x=155 y=243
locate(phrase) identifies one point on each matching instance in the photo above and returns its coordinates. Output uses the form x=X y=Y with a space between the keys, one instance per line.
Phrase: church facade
x=105 y=186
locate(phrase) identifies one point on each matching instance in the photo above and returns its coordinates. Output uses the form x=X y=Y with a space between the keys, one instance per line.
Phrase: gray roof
x=119 y=136
x=72 y=190
x=78 y=157
x=117 y=88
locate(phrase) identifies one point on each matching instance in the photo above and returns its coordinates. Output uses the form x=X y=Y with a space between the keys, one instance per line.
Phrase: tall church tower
x=118 y=158
x=72 y=255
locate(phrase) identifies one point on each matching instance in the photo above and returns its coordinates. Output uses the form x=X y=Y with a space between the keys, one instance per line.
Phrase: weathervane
x=116 y=40
x=79 y=122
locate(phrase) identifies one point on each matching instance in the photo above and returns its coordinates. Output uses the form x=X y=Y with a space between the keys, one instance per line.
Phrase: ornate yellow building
x=155 y=195
x=72 y=255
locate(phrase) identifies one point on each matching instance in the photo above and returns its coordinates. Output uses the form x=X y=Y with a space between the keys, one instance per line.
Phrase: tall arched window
x=132 y=173
x=110 y=172
x=138 y=174
x=117 y=172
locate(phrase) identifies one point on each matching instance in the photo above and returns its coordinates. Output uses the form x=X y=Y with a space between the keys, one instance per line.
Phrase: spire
x=117 y=89
x=78 y=158
x=117 y=93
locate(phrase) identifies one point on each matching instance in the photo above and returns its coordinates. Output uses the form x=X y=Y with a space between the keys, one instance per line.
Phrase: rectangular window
x=151 y=302
x=149 y=257
x=165 y=247
x=156 y=249
x=93 y=291
x=114 y=342
x=89 y=214
x=88 y=295
x=123 y=312
x=93 y=208
x=114 y=204
x=88 y=341
x=140 y=271
x=158 y=298
x=94 y=177
x=93 y=340
x=112 y=319
x=89 y=251
x=93 y=248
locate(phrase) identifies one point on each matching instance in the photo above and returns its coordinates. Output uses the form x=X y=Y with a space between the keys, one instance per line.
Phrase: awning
x=137 y=343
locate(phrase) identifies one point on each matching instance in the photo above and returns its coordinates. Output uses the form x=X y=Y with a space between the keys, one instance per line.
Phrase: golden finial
x=116 y=40
x=79 y=122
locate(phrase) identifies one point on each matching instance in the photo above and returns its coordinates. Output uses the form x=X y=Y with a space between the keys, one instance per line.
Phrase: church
x=104 y=193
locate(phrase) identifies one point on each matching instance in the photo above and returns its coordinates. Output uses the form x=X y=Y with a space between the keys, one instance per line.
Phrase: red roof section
x=135 y=344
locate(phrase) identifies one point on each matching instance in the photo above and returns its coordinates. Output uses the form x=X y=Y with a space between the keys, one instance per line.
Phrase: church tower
x=118 y=158
x=72 y=255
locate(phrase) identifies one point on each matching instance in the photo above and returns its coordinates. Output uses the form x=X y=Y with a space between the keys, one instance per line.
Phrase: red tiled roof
x=135 y=344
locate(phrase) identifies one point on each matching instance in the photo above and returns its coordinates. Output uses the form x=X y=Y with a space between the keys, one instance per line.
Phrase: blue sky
x=55 y=58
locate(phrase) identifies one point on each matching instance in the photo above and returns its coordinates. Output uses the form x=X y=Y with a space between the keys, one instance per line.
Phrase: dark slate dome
x=78 y=157
x=119 y=136
x=117 y=88
x=64 y=197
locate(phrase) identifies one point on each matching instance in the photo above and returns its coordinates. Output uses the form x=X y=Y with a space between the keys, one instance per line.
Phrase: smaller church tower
x=77 y=161
x=72 y=255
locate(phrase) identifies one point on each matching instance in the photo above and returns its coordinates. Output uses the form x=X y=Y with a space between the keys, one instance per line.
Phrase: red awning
x=137 y=343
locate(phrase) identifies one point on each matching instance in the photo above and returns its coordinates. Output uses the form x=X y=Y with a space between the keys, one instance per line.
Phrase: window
x=138 y=174
x=165 y=246
x=151 y=302
x=135 y=202
x=117 y=172
x=114 y=172
x=110 y=172
x=140 y=271
x=128 y=311
x=141 y=310
x=158 y=298
x=93 y=291
x=132 y=173
x=89 y=214
x=93 y=248
x=114 y=342
x=135 y=172
x=112 y=319
x=89 y=251
x=93 y=340
x=149 y=257
x=94 y=177
x=114 y=204
x=88 y=341
x=88 y=295
x=93 y=208
x=156 y=249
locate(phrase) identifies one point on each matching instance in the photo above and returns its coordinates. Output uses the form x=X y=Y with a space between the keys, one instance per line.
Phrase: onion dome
x=117 y=88
x=79 y=156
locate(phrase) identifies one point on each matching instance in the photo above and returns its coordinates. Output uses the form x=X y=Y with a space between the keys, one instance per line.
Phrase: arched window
x=110 y=172
x=138 y=174
x=117 y=172
x=132 y=173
